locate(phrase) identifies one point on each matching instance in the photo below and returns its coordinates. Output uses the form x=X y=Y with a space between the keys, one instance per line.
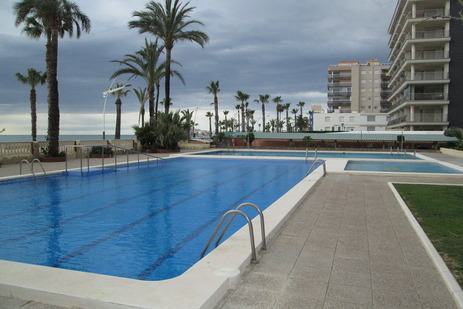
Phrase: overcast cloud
x=259 y=47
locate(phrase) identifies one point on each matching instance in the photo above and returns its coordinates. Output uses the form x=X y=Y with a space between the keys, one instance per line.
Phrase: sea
x=42 y=138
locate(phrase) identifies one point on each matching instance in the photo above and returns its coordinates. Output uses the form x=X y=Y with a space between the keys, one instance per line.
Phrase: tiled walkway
x=349 y=245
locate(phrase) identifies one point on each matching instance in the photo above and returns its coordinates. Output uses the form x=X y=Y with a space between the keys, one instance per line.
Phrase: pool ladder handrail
x=233 y=213
x=31 y=166
x=312 y=165
x=307 y=154
x=102 y=157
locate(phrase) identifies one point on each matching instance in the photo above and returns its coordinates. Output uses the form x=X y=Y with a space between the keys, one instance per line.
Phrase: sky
x=275 y=47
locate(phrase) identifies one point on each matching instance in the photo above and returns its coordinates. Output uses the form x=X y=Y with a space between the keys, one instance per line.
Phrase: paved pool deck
x=348 y=245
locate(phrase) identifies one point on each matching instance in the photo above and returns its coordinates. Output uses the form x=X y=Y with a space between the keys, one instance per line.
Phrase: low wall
x=452 y=152
x=14 y=152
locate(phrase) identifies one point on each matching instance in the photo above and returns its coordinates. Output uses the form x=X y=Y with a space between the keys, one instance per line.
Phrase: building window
x=327 y=119
x=352 y=118
x=370 y=128
x=327 y=128
x=371 y=118
x=341 y=119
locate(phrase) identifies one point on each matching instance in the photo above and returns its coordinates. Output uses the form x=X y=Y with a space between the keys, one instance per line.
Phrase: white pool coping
x=202 y=286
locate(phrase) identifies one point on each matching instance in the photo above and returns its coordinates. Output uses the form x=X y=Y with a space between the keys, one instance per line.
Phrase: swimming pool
x=401 y=167
x=147 y=223
x=311 y=154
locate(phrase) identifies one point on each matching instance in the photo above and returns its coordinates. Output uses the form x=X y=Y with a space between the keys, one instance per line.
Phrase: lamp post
x=105 y=96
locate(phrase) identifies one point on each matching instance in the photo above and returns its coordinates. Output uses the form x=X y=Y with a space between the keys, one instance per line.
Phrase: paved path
x=348 y=245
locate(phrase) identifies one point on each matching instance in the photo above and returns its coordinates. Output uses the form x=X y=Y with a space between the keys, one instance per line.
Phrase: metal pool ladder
x=233 y=214
x=31 y=166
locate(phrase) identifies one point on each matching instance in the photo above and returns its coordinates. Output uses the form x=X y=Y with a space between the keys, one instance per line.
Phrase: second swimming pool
x=147 y=223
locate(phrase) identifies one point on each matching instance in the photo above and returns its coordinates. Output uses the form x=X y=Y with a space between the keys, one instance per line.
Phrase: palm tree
x=213 y=88
x=187 y=120
x=263 y=98
x=301 y=105
x=238 y=108
x=225 y=113
x=168 y=23
x=144 y=64
x=294 y=111
x=277 y=101
x=142 y=96
x=241 y=96
x=33 y=78
x=119 y=94
x=210 y=115
x=286 y=108
x=52 y=19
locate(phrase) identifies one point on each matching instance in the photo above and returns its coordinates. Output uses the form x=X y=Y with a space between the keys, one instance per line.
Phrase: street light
x=105 y=96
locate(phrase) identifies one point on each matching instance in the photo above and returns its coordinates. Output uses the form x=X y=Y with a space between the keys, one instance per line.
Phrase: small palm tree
x=210 y=115
x=187 y=120
x=294 y=111
x=169 y=23
x=243 y=97
x=214 y=89
x=119 y=94
x=238 y=108
x=301 y=105
x=52 y=19
x=225 y=113
x=33 y=78
x=286 y=108
x=277 y=100
x=142 y=96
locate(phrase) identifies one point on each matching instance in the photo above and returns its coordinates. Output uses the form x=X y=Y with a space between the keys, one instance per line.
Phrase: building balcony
x=339 y=93
x=429 y=34
x=339 y=84
x=422 y=98
x=429 y=13
x=339 y=76
x=427 y=55
x=426 y=119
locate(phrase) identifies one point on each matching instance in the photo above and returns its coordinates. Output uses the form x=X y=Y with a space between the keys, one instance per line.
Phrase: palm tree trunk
x=151 y=105
x=53 y=95
x=243 y=123
x=117 y=134
x=263 y=117
x=33 y=99
x=216 y=110
x=167 y=79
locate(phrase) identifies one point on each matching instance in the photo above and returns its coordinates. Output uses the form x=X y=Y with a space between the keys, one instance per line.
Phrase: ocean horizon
x=64 y=137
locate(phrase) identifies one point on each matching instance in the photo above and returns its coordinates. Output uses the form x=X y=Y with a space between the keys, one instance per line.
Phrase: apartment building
x=426 y=74
x=356 y=87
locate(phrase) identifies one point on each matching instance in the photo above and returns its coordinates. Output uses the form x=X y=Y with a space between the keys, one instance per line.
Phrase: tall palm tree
x=142 y=96
x=33 y=78
x=225 y=113
x=170 y=24
x=294 y=111
x=301 y=105
x=52 y=19
x=263 y=98
x=277 y=100
x=144 y=64
x=187 y=120
x=243 y=97
x=286 y=108
x=210 y=115
x=238 y=108
x=214 y=89
x=119 y=94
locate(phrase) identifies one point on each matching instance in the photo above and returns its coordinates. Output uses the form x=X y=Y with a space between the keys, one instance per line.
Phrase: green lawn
x=439 y=210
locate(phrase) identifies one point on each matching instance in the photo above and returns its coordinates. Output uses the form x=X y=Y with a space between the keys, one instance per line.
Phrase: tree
x=286 y=108
x=144 y=64
x=119 y=94
x=238 y=108
x=263 y=98
x=142 y=96
x=294 y=111
x=187 y=120
x=243 y=97
x=210 y=115
x=170 y=24
x=52 y=19
x=277 y=101
x=213 y=88
x=225 y=113
x=301 y=105
x=33 y=78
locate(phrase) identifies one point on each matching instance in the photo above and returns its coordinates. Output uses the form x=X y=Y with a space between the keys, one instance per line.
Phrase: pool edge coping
x=218 y=271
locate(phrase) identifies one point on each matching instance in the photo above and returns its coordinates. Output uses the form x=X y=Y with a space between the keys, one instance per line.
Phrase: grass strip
x=439 y=211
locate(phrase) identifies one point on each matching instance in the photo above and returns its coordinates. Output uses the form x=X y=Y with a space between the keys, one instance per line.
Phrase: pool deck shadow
x=348 y=245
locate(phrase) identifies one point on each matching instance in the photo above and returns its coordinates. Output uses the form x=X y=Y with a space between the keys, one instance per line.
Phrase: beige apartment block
x=426 y=65
x=358 y=87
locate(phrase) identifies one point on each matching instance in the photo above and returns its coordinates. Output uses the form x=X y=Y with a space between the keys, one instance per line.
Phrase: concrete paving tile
x=291 y=301
x=305 y=288
x=273 y=268
x=11 y=302
x=349 y=294
x=330 y=304
x=244 y=297
x=264 y=282
x=388 y=268
x=360 y=279
x=352 y=253
x=321 y=274
x=349 y=265
x=393 y=281
x=390 y=299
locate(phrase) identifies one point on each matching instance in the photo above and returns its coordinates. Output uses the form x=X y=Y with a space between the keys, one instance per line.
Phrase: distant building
x=426 y=65
x=356 y=87
x=317 y=108
x=349 y=121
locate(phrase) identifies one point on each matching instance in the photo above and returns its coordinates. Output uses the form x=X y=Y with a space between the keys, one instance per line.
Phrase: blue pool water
x=147 y=223
x=301 y=154
x=402 y=167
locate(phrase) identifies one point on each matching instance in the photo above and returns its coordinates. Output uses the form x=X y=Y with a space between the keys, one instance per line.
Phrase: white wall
x=349 y=122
